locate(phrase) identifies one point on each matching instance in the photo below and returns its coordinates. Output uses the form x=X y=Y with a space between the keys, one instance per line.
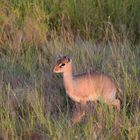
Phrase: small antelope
x=88 y=86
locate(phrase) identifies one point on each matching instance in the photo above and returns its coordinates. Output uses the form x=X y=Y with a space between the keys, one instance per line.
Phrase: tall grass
x=98 y=36
x=33 y=102
x=99 y=20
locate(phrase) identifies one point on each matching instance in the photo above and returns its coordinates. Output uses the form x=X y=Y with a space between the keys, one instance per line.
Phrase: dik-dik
x=86 y=87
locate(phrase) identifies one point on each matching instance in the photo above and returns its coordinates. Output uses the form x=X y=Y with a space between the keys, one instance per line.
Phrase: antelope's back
x=94 y=86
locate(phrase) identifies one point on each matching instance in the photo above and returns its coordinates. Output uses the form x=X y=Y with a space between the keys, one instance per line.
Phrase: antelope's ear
x=59 y=56
x=68 y=58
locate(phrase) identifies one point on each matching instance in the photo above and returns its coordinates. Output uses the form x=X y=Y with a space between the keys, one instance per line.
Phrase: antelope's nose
x=54 y=70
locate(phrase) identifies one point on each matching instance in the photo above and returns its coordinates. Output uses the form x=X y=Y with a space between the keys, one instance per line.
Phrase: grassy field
x=98 y=36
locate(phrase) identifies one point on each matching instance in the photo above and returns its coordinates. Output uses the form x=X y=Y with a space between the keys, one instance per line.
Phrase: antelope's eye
x=62 y=65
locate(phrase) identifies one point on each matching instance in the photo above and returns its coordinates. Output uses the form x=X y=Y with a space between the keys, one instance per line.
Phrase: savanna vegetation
x=99 y=36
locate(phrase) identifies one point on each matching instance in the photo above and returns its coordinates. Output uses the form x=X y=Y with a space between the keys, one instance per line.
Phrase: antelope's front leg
x=79 y=112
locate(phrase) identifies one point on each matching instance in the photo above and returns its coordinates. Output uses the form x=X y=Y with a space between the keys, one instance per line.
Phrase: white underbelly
x=78 y=97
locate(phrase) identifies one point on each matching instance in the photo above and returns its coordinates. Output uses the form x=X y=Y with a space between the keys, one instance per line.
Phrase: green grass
x=98 y=35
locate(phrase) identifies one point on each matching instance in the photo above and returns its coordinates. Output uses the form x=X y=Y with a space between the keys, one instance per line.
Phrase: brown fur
x=87 y=87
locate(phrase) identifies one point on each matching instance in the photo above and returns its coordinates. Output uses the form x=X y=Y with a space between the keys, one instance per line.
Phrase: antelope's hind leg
x=116 y=104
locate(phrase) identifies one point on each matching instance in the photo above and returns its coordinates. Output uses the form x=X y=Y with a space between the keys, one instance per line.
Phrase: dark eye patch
x=62 y=65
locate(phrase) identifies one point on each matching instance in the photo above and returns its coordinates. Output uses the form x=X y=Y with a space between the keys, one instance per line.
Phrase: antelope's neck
x=68 y=81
